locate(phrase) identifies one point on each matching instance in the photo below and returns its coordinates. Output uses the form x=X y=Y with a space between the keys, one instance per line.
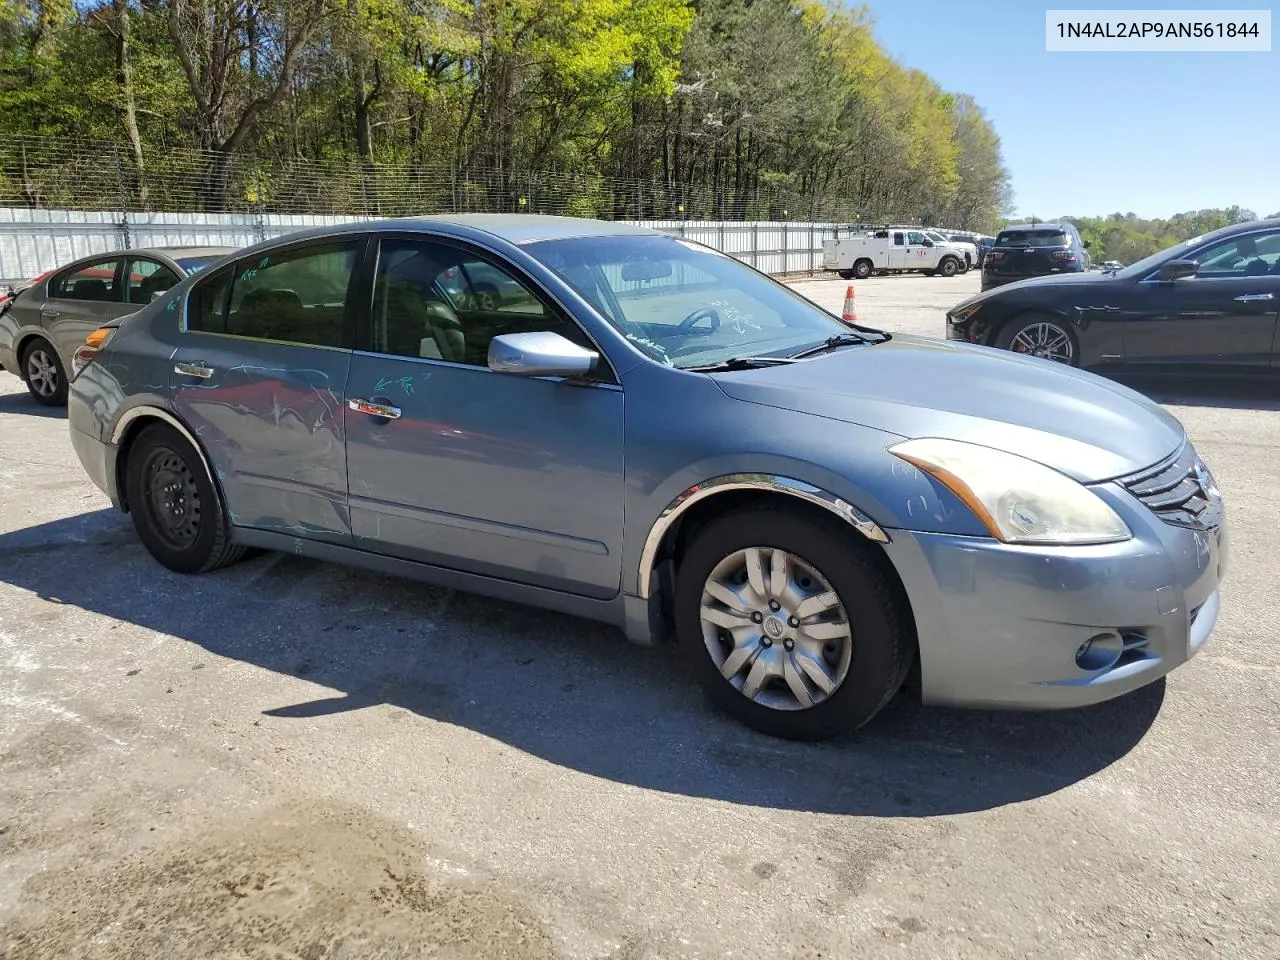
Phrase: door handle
x=384 y=410
x=1247 y=297
x=50 y=314
x=193 y=370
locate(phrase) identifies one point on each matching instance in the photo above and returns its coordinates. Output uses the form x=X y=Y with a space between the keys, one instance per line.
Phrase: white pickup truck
x=891 y=251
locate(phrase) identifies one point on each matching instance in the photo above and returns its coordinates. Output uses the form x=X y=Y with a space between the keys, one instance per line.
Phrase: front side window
x=1252 y=255
x=147 y=279
x=94 y=281
x=439 y=302
x=298 y=295
x=915 y=237
x=683 y=304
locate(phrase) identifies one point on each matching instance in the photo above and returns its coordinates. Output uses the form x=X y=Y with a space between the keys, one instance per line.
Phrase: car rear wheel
x=948 y=266
x=792 y=628
x=862 y=269
x=43 y=373
x=174 y=504
x=1044 y=337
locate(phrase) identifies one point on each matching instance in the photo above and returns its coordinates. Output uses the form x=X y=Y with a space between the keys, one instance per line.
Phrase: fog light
x=1100 y=652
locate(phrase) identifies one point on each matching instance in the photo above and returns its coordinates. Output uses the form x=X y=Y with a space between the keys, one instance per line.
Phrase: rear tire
x=844 y=676
x=174 y=504
x=948 y=266
x=862 y=269
x=43 y=373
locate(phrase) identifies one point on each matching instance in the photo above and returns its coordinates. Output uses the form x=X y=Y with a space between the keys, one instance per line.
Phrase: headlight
x=1018 y=500
x=962 y=313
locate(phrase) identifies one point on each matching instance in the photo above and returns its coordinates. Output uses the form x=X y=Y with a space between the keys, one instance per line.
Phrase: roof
x=174 y=253
x=1035 y=226
x=525 y=227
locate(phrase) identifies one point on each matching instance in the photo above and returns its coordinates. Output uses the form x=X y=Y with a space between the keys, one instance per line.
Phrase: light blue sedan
x=598 y=419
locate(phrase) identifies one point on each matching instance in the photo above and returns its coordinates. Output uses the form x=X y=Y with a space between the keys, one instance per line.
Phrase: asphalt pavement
x=289 y=759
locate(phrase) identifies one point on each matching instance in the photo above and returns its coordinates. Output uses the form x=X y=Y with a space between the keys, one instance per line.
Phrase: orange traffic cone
x=850 y=314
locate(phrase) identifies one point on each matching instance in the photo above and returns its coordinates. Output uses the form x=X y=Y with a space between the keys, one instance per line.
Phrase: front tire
x=174 y=504
x=44 y=374
x=792 y=627
x=948 y=266
x=1045 y=337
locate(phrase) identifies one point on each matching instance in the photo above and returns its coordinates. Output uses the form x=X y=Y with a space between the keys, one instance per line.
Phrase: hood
x=1080 y=424
x=1045 y=280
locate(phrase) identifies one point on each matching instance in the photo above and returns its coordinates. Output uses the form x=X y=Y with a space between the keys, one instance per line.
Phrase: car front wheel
x=792 y=628
x=948 y=266
x=175 y=507
x=1044 y=337
x=43 y=373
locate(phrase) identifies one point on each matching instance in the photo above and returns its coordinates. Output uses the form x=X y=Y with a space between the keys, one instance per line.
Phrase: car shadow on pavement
x=24 y=403
x=1203 y=391
x=566 y=690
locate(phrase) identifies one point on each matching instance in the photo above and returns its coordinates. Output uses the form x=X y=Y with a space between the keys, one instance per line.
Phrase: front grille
x=1179 y=490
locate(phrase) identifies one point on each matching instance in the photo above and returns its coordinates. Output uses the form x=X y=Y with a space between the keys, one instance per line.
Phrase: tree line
x=1126 y=237
x=772 y=108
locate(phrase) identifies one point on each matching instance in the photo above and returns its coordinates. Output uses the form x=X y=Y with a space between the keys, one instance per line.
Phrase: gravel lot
x=286 y=759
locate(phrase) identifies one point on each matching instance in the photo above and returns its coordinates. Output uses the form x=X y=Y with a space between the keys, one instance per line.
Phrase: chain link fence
x=55 y=174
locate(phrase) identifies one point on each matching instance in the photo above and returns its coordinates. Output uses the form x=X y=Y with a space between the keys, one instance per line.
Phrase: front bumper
x=1000 y=626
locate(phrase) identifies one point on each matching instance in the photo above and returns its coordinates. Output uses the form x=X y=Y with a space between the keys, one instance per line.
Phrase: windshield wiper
x=833 y=341
x=742 y=363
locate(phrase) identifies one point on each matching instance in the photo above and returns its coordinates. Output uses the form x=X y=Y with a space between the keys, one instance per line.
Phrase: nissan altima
x=598 y=419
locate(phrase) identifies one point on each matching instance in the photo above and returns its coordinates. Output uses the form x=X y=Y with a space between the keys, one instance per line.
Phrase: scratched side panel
x=270 y=418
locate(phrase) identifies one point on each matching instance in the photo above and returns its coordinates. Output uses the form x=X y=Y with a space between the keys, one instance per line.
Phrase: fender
x=766 y=482
x=159 y=413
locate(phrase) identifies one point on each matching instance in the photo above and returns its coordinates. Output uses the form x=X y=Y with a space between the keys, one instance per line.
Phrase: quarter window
x=1252 y=255
x=94 y=281
x=438 y=302
x=147 y=279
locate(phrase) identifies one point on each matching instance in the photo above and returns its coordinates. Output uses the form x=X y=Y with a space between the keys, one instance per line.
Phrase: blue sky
x=1097 y=133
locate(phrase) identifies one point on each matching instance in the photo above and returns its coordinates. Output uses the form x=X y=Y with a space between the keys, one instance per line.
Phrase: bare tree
x=239 y=58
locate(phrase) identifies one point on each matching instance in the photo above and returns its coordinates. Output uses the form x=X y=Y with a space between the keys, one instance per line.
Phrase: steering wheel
x=686 y=325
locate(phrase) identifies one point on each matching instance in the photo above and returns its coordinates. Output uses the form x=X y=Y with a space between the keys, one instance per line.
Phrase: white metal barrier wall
x=32 y=241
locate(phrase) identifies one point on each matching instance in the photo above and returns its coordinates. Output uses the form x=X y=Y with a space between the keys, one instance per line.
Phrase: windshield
x=683 y=304
x=1031 y=238
x=1147 y=264
x=196 y=264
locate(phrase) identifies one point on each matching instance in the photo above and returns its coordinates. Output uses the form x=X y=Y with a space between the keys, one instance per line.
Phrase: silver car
x=649 y=433
x=45 y=322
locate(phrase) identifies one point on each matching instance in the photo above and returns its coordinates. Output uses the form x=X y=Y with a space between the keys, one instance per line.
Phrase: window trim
x=65 y=272
x=605 y=374
x=350 y=323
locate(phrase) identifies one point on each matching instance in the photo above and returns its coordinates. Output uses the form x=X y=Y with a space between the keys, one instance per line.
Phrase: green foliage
x=1127 y=237
x=710 y=107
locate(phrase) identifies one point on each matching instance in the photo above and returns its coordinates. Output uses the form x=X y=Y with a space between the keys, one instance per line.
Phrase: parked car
x=890 y=251
x=648 y=441
x=967 y=249
x=47 y=319
x=1210 y=303
x=1033 y=250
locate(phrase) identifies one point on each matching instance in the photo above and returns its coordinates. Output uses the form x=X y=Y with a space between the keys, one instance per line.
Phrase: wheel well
x=26 y=342
x=685 y=529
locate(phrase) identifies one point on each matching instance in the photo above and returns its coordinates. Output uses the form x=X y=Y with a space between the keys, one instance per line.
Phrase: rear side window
x=93 y=281
x=298 y=295
x=1032 y=238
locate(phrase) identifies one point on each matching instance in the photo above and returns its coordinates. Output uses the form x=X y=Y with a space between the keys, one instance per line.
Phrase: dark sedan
x=1209 y=302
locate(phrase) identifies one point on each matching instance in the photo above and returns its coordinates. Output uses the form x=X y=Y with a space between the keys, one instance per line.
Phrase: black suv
x=1033 y=250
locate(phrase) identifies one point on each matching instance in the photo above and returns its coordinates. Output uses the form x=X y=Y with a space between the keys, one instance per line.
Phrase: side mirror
x=543 y=354
x=1178 y=269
